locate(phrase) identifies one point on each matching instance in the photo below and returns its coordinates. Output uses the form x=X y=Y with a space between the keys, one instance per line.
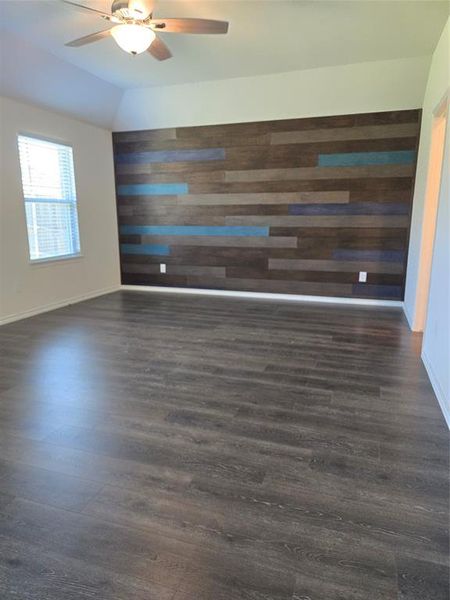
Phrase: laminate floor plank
x=46 y=486
x=418 y=579
x=28 y=573
x=165 y=447
x=95 y=541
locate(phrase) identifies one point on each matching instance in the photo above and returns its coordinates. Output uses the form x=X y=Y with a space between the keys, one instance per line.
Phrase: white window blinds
x=48 y=183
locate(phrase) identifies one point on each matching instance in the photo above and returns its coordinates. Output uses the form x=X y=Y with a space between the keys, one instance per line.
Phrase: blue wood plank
x=242 y=231
x=155 y=249
x=379 y=291
x=353 y=208
x=163 y=156
x=370 y=255
x=153 y=189
x=355 y=159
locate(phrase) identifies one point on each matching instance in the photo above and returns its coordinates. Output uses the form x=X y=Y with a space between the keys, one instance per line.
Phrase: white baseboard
x=444 y=402
x=410 y=319
x=408 y=316
x=263 y=295
x=202 y=292
x=54 y=305
x=173 y=290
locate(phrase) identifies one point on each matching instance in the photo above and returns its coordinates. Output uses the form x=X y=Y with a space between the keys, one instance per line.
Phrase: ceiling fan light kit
x=133 y=38
x=135 y=27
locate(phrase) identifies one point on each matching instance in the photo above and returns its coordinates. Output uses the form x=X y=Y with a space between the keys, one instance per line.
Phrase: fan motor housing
x=132 y=9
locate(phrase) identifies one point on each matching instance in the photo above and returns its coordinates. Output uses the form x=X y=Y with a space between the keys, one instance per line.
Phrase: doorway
x=435 y=164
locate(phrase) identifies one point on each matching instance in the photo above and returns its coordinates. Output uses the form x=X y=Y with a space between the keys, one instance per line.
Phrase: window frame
x=46 y=261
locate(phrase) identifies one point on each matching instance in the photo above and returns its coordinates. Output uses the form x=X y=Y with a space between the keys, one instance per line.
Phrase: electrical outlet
x=162 y=268
x=362 y=277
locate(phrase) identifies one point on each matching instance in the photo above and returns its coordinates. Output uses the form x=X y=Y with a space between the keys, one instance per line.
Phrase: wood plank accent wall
x=295 y=206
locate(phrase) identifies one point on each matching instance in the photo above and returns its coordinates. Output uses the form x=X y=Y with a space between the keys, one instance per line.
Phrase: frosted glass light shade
x=133 y=38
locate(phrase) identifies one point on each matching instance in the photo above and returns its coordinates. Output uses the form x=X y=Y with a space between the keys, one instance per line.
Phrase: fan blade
x=159 y=50
x=189 y=25
x=88 y=39
x=93 y=10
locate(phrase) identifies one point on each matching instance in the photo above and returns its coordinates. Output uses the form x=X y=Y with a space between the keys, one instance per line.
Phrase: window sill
x=55 y=259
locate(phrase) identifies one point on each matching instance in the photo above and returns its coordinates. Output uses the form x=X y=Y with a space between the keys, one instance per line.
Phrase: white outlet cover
x=162 y=268
x=362 y=277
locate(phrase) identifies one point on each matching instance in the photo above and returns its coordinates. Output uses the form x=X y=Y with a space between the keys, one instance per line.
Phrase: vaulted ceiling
x=264 y=37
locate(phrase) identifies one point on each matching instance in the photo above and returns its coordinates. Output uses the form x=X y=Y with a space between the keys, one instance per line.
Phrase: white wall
x=33 y=75
x=436 y=339
x=363 y=87
x=437 y=85
x=28 y=288
x=435 y=351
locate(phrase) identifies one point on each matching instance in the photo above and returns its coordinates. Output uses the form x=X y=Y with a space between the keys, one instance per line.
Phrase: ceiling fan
x=135 y=28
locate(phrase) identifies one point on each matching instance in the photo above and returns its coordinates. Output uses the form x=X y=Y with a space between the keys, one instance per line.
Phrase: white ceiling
x=265 y=36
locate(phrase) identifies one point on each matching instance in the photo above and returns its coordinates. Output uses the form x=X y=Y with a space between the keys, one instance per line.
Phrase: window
x=48 y=183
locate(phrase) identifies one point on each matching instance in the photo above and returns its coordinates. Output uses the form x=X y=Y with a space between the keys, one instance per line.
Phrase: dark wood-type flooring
x=163 y=447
